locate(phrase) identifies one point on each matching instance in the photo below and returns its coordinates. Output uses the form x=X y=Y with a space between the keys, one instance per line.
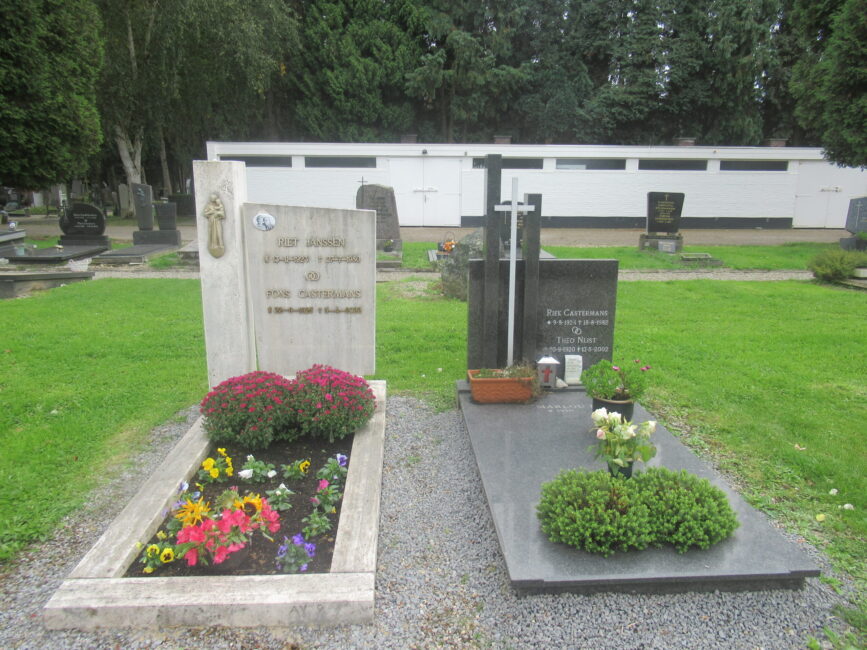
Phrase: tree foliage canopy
x=180 y=72
x=50 y=55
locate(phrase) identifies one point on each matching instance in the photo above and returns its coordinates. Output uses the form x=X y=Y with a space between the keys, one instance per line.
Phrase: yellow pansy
x=215 y=473
x=153 y=550
x=148 y=569
x=168 y=555
x=208 y=464
x=304 y=466
x=192 y=512
x=161 y=535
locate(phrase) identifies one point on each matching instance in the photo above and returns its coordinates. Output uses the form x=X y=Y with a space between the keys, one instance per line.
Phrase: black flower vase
x=624 y=407
x=617 y=470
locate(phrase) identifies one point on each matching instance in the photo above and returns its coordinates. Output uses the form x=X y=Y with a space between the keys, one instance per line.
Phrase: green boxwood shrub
x=835 y=264
x=599 y=513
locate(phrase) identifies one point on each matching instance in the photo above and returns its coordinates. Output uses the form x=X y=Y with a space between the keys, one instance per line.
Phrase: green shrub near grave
x=599 y=513
x=835 y=265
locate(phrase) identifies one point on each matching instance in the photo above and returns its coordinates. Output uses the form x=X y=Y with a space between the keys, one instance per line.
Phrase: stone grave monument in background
x=562 y=307
x=283 y=287
x=856 y=222
x=145 y=209
x=83 y=224
x=381 y=199
x=663 y=222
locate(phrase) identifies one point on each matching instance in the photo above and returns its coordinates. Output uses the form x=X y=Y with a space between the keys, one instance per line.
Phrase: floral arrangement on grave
x=330 y=403
x=620 y=442
x=622 y=382
x=515 y=384
x=258 y=408
x=203 y=534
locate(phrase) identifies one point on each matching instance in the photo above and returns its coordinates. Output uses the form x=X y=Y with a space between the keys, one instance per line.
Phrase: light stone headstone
x=229 y=336
x=573 y=367
x=381 y=198
x=312 y=278
x=125 y=200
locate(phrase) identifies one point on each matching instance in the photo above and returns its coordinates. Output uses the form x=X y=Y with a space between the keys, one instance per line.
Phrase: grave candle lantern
x=547 y=369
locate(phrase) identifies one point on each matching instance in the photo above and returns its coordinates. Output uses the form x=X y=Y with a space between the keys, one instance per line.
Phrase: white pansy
x=246 y=473
x=272 y=474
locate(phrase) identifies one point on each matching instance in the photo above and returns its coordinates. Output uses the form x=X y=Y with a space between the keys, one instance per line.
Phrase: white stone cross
x=514 y=209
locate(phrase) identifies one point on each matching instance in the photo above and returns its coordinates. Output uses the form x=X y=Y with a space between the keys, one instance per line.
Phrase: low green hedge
x=599 y=513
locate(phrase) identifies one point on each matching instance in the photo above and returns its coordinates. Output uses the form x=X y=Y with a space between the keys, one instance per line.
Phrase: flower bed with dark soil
x=260 y=559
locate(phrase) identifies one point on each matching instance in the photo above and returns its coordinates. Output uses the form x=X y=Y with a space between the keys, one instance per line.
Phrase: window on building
x=663 y=164
x=754 y=165
x=512 y=163
x=340 y=161
x=261 y=161
x=591 y=163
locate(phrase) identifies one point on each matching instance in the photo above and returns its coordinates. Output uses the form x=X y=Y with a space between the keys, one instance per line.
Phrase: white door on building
x=427 y=190
x=821 y=200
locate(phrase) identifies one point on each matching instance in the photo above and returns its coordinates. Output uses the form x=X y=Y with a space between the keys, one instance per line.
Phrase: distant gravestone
x=145 y=209
x=381 y=199
x=856 y=222
x=856 y=218
x=143 y=202
x=167 y=215
x=83 y=224
x=663 y=222
x=124 y=198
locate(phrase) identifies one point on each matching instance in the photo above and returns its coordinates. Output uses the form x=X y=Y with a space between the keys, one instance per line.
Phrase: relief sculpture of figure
x=215 y=213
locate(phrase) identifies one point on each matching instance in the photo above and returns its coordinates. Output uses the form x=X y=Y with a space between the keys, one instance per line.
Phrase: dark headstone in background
x=186 y=204
x=856 y=218
x=574 y=315
x=143 y=202
x=663 y=212
x=381 y=199
x=167 y=215
x=82 y=219
x=83 y=224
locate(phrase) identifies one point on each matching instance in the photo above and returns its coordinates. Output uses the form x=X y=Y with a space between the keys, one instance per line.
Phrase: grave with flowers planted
x=266 y=512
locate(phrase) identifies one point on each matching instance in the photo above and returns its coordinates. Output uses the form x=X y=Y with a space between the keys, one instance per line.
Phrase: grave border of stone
x=94 y=596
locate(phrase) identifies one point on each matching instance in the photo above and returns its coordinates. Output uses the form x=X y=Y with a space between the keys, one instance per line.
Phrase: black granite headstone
x=576 y=301
x=167 y=215
x=856 y=218
x=490 y=297
x=82 y=219
x=530 y=249
x=663 y=212
x=143 y=201
x=83 y=224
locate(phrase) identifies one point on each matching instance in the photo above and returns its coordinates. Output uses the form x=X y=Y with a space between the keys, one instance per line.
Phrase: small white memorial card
x=572 y=369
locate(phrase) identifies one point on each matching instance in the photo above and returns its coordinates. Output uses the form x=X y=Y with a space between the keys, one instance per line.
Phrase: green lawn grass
x=784 y=256
x=767 y=378
x=415 y=254
x=86 y=371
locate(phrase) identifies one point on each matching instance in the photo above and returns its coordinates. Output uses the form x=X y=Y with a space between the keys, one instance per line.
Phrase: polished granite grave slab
x=519 y=447
x=137 y=254
x=55 y=255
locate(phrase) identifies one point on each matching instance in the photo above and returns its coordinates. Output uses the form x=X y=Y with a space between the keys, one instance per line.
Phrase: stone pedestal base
x=172 y=237
x=662 y=243
x=85 y=240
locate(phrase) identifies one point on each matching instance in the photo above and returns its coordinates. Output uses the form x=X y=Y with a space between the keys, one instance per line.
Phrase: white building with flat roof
x=581 y=185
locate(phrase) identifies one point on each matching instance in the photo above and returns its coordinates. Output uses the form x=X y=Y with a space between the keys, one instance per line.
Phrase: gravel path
x=441 y=581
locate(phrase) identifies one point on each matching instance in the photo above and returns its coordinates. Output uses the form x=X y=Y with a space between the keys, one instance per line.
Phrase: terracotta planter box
x=500 y=390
